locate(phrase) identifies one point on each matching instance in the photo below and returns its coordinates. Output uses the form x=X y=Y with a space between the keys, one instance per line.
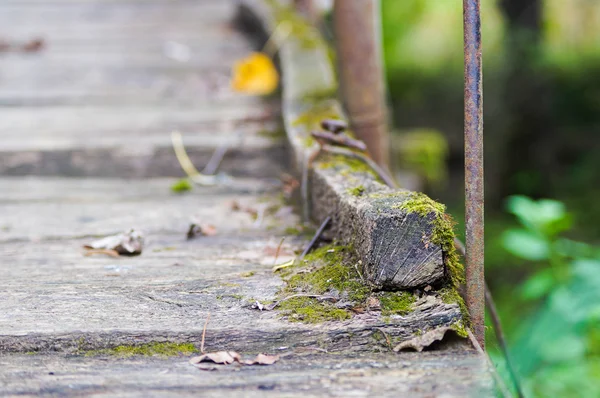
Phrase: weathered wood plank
x=301 y=374
x=399 y=248
x=53 y=208
x=106 y=301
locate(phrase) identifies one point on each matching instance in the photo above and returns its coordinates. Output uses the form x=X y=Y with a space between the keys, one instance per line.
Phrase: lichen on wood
x=150 y=349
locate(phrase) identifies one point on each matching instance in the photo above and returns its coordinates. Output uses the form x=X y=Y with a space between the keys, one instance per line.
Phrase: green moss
x=310 y=310
x=150 y=349
x=275 y=134
x=332 y=275
x=182 y=185
x=399 y=303
x=449 y=295
x=247 y=274
x=301 y=29
x=442 y=233
x=357 y=191
x=346 y=165
x=312 y=117
x=321 y=95
x=460 y=329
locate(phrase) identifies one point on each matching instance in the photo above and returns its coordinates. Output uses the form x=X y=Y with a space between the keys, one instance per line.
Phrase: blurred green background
x=542 y=140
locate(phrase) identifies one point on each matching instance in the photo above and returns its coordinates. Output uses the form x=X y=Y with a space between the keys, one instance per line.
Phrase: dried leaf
x=418 y=343
x=126 y=244
x=33 y=46
x=373 y=303
x=255 y=75
x=263 y=359
x=220 y=357
x=201 y=230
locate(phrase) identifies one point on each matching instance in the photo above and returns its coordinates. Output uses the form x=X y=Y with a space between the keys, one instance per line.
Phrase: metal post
x=357 y=32
x=474 y=168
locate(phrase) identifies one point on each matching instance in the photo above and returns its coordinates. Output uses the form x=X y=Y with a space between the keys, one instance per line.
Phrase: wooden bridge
x=90 y=92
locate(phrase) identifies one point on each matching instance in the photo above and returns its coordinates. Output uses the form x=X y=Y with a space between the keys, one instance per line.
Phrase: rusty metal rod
x=474 y=200
x=357 y=29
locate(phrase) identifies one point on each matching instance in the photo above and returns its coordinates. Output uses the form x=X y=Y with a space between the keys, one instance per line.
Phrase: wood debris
x=201 y=230
x=124 y=244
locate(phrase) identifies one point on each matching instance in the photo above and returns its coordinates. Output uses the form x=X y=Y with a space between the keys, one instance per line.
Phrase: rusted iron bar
x=358 y=41
x=474 y=168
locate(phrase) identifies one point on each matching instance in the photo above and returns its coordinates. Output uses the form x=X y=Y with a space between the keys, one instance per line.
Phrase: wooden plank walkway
x=85 y=152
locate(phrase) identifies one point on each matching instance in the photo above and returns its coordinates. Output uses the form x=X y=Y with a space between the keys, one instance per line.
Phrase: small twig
x=108 y=252
x=182 y=157
x=499 y=382
x=327 y=137
x=358 y=270
x=277 y=252
x=498 y=330
x=281 y=32
x=186 y=164
x=284 y=265
x=491 y=305
x=217 y=157
x=316 y=237
x=204 y=334
x=387 y=339
x=387 y=179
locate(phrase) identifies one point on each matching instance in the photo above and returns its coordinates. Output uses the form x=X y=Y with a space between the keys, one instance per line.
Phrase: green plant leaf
x=546 y=216
x=564 y=348
x=538 y=285
x=525 y=244
x=182 y=185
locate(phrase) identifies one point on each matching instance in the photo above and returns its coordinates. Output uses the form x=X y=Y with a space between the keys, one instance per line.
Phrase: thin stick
x=182 y=156
x=108 y=252
x=217 y=157
x=281 y=32
x=498 y=330
x=499 y=382
x=316 y=237
x=491 y=306
x=204 y=334
x=277 y=252
x=387 y=179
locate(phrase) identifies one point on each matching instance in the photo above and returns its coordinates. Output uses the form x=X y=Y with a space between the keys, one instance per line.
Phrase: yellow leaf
x=255 y=75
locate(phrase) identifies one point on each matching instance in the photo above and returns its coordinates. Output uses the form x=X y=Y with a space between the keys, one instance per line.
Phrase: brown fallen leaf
x=33 y=46
x=290 y=184
x=262 y=359
x=4 y=46
x=220 y=357
x=236 y=206
x=201 y=230
x=418 y=343
x=373 y=303
x=126 y=244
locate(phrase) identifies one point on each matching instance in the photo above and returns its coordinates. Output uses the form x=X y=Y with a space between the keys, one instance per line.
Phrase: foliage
x=255 y=75
x=182 y=185
x=556 y=349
